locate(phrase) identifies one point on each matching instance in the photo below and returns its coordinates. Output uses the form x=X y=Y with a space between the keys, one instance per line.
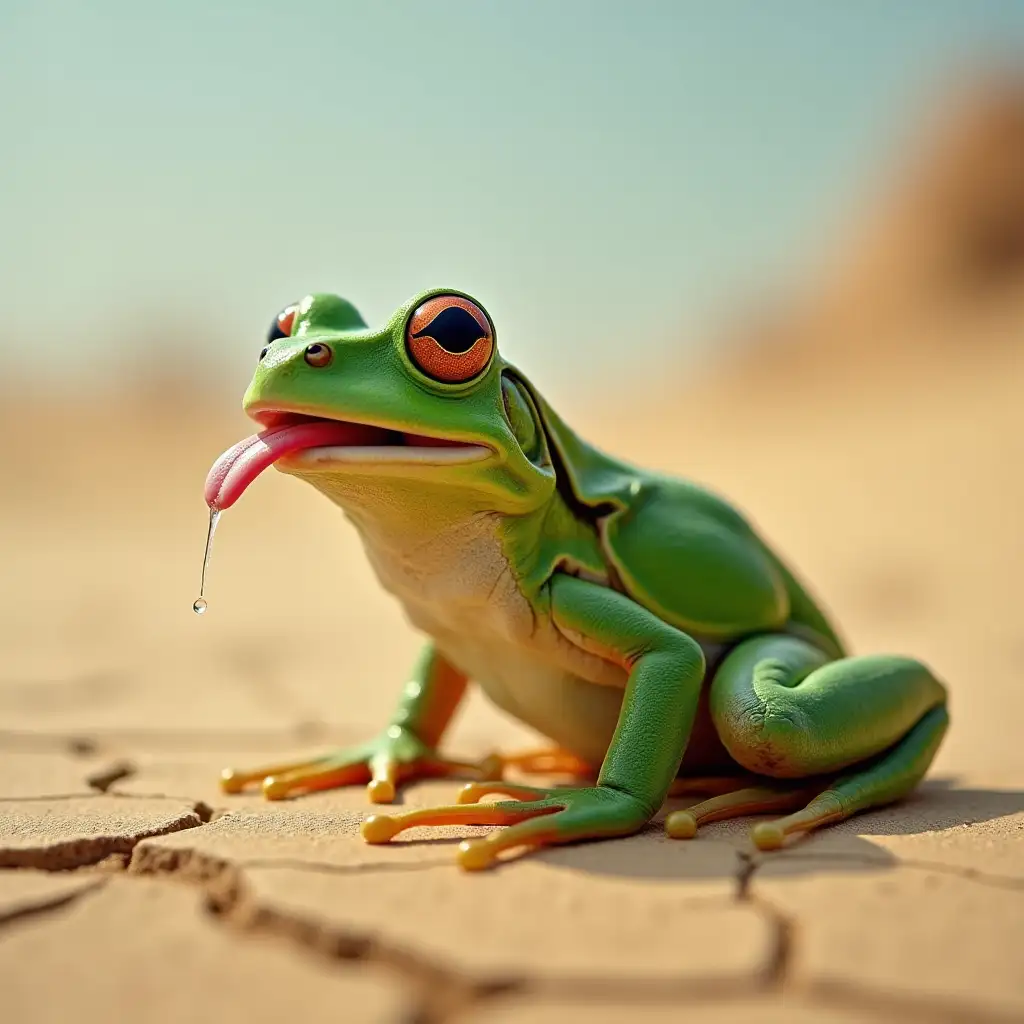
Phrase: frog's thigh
x=782 y=709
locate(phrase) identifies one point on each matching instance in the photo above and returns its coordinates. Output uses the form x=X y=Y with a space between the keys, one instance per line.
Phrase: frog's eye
x=450 y=339
x=282 y=325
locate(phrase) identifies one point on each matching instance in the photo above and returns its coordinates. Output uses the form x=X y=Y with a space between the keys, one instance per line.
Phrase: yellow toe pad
x=767 y=835
x=681 y=825
x=379 y=828
x=381 y=791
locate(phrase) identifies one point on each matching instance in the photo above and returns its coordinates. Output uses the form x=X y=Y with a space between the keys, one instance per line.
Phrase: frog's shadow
x=721 y=850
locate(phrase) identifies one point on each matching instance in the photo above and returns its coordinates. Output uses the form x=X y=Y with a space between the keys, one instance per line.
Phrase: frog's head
x=425 y=401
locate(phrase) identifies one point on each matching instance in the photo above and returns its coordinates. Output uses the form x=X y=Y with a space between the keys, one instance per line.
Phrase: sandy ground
x=135 y=890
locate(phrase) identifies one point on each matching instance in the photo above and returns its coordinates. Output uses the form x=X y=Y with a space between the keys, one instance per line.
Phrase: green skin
x=635 y=619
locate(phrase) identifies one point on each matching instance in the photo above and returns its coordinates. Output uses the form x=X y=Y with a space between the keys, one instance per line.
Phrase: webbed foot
x=393 y=758
x=533 y=818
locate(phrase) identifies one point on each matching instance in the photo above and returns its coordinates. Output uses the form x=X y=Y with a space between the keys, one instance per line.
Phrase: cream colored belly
x=574 y=713
x=528 y=668
x=456 y=587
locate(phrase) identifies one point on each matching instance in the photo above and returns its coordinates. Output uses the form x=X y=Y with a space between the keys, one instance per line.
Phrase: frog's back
x=694 y=559
x=679 y=549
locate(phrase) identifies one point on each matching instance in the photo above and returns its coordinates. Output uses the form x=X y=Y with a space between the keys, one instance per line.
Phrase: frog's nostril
x=318 y=355
x=263 y=352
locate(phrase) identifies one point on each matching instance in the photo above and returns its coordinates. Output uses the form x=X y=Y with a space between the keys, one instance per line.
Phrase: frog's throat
x=406 y=495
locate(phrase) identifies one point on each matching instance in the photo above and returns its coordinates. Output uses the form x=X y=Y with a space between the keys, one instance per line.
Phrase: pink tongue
x=243 y=462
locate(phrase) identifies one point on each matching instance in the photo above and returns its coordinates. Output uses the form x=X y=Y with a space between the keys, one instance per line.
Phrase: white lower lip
x=426 y=456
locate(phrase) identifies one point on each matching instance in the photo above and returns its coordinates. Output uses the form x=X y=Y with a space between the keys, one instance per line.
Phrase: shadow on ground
x=937 y=806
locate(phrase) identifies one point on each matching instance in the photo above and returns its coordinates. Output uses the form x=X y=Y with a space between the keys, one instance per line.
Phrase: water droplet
x=199 y=605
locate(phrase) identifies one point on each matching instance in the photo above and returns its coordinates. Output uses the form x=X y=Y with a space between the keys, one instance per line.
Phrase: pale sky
x=597 y=174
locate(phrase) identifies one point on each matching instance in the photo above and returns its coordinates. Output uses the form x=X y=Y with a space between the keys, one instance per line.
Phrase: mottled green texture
x=592 y=599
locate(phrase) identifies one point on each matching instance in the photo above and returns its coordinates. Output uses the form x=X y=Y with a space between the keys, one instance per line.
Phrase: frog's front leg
x=404 y=751
x=666 y=669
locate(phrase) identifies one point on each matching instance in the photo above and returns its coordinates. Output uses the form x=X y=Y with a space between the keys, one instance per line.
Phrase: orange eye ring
x=282 y=325
x=450 y=339
x=286 y=321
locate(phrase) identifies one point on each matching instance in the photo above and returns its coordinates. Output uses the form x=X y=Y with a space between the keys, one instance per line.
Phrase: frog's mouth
x=315 y=442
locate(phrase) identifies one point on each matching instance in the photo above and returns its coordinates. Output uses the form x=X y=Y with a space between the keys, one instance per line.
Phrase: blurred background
x=776 y=248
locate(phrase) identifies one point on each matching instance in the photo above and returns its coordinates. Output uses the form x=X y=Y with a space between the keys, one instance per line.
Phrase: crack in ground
x=47 y=905
x=85 y=852
x=438 y=992
x=842 y=995
x=103 y=778
x=200 y=807
x=196 y=866
x=777 y=969
x=98 y=781
x=441 y=993
x=824 y=996
x=205 y=812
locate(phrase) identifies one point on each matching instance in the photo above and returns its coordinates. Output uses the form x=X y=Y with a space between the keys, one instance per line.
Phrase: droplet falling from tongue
x=232 y=473
x=199 y=605
x=239 y=466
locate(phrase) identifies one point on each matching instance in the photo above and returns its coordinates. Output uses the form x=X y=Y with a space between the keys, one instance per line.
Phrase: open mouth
x=314 y=442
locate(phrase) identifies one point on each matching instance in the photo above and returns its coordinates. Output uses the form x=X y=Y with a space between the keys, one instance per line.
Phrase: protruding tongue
x=232 y=473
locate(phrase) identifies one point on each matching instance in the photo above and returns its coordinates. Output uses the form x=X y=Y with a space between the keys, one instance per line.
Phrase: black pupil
x=455 y=329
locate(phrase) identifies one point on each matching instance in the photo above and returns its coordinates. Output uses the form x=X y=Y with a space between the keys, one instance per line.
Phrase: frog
x=637 y=621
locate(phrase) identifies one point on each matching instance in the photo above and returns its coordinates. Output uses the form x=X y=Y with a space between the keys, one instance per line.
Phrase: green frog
x=638 y=621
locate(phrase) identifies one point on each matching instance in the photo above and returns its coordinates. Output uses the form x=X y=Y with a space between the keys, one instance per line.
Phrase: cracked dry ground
x=132 y=889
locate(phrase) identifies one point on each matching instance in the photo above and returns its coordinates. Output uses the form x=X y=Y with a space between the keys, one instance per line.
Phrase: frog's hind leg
x=885 y=780
x=784 y=710
x=740 y=802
